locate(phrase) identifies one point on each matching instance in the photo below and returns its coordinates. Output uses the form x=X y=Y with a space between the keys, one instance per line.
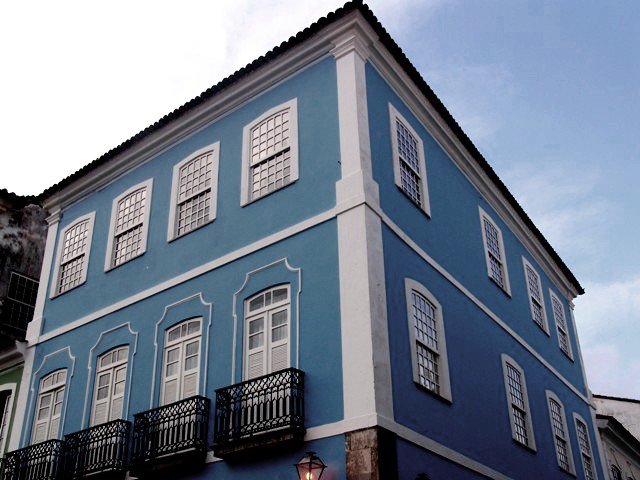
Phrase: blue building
x=309 y=256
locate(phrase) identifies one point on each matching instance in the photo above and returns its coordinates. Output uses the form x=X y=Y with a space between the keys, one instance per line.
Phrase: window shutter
x=53 y=431
x=41 y=432
x=279 y=357
x=100 y=413
x=170 y=391
x=190 y=385
x=256 y=364
x=116 y=408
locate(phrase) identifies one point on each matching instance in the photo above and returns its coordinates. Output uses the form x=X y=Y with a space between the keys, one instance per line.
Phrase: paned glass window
x=193 y=201
x=181 y=361
x=5 y=403
x=73 y=258
x=270 y=153
x=408 y=159
x=111 y=377
x=585 y=450
x=426 y=334
x=561 y=325
x=516 y=390
x=129 y=224
x=494 y=252
x=49 y=407
x=267 y=332
x=21 y=298
x=427 y=340
x=536 y=301
x=559 y=429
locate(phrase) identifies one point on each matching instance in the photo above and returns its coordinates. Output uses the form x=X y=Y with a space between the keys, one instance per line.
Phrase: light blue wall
x=319 y=323
x=235 y=226
x=476 y=423
x=453 y=235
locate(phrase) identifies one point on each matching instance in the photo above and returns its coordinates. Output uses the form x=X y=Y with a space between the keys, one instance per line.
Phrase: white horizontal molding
x=440 y=269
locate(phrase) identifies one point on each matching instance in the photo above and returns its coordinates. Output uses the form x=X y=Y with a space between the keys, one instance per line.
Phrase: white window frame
x=111 y=369
x=565 y=329
x=567 y=438
x=57 y=387
x=410 y=286
x=214 y=150
x=578 y=418
x=506 y=359
x=545 y=321
x=55 y=284
x=181 y=343
x=266 y=312
x=5 y=420
x=245 y=190
x=148 y=185
x=503 y=256
x=395 y=116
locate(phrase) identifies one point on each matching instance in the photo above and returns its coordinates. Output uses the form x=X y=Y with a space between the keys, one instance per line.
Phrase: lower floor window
x=49 y=407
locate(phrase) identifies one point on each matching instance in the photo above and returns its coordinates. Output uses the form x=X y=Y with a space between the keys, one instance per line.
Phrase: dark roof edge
x=620 y=399
x=285 y=46
x=620 y=429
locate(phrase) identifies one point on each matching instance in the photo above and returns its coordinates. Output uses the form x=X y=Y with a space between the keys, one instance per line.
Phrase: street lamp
x=310 y=467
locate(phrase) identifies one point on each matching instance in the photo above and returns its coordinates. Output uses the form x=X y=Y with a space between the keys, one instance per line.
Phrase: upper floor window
x=585 y=448
x=72 y=257
x=536 y=301
x=494 y=252
x=267 y=332
x=270 y=152
x=561 y=324
x=560 y=433
x=409 y=168
x=518 y=401
x=194 y=191
x=49 y=407
x=428 y=344
x=616 y=474
x=181 y=364
x=129 y=225
x=111 y=377
x=21 y=298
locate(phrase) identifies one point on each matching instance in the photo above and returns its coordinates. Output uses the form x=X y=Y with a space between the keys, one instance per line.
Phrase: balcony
x=42 y=461
x=267 y=411
x=169 y=436
x=98 y=452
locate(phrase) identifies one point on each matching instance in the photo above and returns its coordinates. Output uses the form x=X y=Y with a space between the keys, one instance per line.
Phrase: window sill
x=176 y=237
x=504 y=290
x=425 y=210
x=525 y=447
x=437 y=396
x=248 y=202
x=109 y=269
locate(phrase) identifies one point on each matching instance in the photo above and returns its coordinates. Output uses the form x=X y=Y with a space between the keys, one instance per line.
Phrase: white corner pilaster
x=366 y=367
x=35 y=326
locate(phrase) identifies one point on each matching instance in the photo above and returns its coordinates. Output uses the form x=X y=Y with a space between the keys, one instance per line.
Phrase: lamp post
x=310 y=467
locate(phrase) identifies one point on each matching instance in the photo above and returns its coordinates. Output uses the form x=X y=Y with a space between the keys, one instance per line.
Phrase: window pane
x=428 y=368
x=279 y=333
x=104 y=379
x=193 y=348
x=256 y=303
x=103 y=392
x=256 y=341
x=191 y=363
x=173 y=334
x=279 y=295
x=173 y=355
x=193 y=327
x=256 y=325
x=279 y=318
x=424 y=315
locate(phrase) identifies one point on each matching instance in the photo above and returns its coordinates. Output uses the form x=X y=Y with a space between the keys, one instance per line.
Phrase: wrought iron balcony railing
x=269 y=403
x=175 y=428
x=42 y=461
x=98 y=449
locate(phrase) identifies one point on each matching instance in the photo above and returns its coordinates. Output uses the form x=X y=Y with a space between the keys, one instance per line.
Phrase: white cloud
x=564 y=202
x=608 y=320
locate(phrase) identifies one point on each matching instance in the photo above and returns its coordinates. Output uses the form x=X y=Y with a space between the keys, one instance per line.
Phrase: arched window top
x=113 y=357
x=53 y=380
x=72 y=257
x=268 y=298
x=184 y=330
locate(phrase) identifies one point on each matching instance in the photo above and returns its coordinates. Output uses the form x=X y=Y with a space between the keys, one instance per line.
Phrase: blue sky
x=548 y=90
